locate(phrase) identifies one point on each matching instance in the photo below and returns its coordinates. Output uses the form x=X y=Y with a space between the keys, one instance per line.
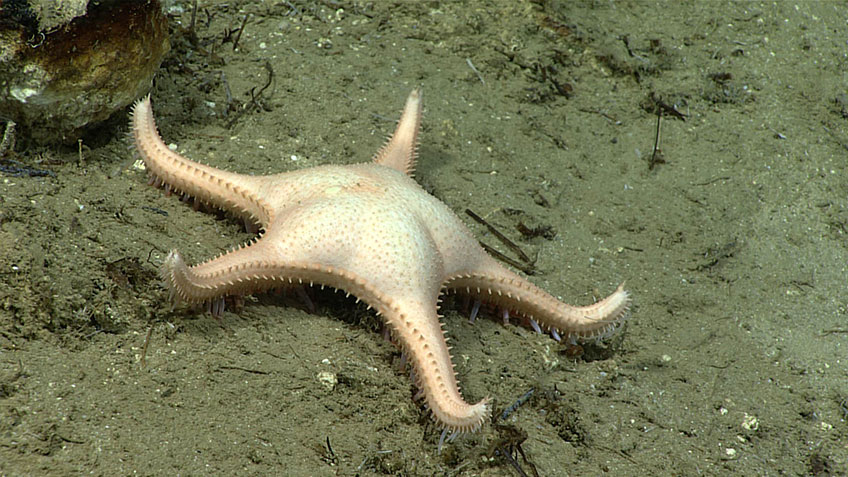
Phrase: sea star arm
x=222 y=189
x=417 y=327
x=253 y=268
x=401 y=151
x=239 y=272
x=495 y=284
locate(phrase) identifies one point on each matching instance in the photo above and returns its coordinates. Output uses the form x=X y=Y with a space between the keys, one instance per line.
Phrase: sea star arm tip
x=401 y=150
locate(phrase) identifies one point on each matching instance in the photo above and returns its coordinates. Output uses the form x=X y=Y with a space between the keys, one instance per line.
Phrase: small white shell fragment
x=328 y=380
x=750 y=423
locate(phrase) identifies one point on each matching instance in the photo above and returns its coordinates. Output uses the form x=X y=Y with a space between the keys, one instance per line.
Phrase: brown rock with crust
x=57 y=78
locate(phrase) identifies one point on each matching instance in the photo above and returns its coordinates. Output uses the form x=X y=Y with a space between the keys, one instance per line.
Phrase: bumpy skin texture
x=370 y=230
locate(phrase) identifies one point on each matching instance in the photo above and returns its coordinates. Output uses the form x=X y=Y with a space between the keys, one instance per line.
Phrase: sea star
x=370 y=230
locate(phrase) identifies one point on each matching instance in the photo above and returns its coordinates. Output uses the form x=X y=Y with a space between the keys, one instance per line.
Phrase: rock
x=67 y=64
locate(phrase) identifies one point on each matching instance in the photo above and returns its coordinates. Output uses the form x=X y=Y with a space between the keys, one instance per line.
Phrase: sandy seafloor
x=734 y=248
